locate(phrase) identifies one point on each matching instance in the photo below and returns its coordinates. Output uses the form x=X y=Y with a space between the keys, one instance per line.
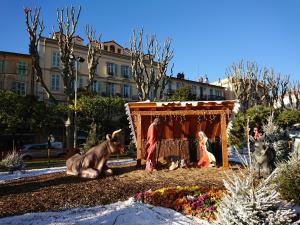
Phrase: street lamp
x=77 y=59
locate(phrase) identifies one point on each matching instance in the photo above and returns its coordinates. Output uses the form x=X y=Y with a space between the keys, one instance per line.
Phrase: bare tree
x=296 y=90
x=149 y=64
x=284 y=83
x=94 y=54
x=255 y=86
x=34 y=28
x=244 y=80
x=294 y=95
x=67 y=22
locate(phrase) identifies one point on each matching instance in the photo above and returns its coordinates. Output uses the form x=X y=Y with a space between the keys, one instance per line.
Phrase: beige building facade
x=113 y=74
x=203 y=90
x=228 y=88
x=16 y=73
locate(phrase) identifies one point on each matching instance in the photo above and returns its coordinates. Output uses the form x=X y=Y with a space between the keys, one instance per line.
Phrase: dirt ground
x=59 y=191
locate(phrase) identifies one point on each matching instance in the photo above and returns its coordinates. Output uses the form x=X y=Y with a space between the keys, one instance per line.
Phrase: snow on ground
x=120 y=213
x=4 y=176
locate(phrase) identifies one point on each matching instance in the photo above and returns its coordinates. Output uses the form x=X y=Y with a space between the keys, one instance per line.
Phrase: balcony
x=211 y=98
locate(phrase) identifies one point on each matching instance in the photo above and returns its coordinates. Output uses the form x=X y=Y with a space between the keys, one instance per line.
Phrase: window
x=211 y=91
x=112 y=48
x=111 y=69
x=194 y=89
x=126 y=91
x=55 y=82
x=1 y=66
x=201 y=91
x=151 y=94
x=125 y=71
x=110 y=89
x=96 y=86
x=21 y=68
x=170 y=85
x=19 y=88
x=178 y=85
x=80 y=83
x=105 y=47
x=119 y=50
x=55 y=59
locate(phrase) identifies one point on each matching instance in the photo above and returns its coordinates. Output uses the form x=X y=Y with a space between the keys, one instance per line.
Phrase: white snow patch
x=4 y=176
x=120 y=213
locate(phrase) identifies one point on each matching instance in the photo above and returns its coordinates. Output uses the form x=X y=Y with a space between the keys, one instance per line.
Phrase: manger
x=181 y=121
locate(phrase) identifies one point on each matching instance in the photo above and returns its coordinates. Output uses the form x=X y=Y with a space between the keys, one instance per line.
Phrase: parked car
x=35 y=151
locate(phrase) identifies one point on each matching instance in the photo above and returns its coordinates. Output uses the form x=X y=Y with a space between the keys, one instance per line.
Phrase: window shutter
x=107 y=68
x=13 y=86
x=115 y=69
x=122 y=90
x=17 y=68
x=53 y=59
x=130 y=91
x=129 y=72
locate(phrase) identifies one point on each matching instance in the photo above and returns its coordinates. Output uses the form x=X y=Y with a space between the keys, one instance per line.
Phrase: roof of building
x=14 y=53
x=196 y=82
x=114 y=42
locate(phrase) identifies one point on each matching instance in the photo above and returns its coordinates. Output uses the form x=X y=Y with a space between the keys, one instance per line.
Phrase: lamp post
x=77 y=59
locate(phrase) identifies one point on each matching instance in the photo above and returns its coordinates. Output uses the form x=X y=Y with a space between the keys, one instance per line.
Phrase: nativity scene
x=184 y=133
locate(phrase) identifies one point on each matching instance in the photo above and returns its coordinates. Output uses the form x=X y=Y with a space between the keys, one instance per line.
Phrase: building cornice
x=14 y=54
x=46 y=40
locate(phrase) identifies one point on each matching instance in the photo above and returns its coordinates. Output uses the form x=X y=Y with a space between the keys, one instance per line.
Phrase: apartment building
x=228 y=88
x=16 y=73
x=202 y=89
x=113 y=73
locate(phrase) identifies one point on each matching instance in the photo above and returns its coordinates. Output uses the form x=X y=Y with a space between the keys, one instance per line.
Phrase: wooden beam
x=224 y=141
x=179 y=112
x=139 y=140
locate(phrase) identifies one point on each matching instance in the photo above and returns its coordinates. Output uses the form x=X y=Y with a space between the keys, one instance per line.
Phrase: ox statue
x=263 y=155
x=92 y=163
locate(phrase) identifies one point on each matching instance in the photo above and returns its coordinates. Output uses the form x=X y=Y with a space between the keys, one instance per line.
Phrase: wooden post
x=224 y=141
x=139 y=141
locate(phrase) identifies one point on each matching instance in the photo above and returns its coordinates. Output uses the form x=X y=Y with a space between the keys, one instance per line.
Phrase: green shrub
x=288 y=180
x=288 y=118
x=183 y=94
x=13 y=161
x=258 y=116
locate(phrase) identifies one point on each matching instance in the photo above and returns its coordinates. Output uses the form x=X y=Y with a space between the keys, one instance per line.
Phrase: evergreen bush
x=251 y=202
x=277 y=139
x=288 y=179
x=13 y=161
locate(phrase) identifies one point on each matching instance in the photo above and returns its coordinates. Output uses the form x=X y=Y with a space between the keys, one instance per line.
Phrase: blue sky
x=208 y=36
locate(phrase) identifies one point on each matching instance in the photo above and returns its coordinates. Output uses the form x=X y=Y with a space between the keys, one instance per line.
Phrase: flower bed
x=194 y=200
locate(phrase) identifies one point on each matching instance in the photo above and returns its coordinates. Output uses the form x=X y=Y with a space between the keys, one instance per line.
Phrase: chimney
x=180 y=75
x=78 y=40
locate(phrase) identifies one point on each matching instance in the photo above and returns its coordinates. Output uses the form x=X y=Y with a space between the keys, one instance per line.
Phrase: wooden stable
x=181 y=122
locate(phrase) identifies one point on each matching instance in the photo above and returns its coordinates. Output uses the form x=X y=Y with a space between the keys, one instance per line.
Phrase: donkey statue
x=92 y=163
x=263 y=155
